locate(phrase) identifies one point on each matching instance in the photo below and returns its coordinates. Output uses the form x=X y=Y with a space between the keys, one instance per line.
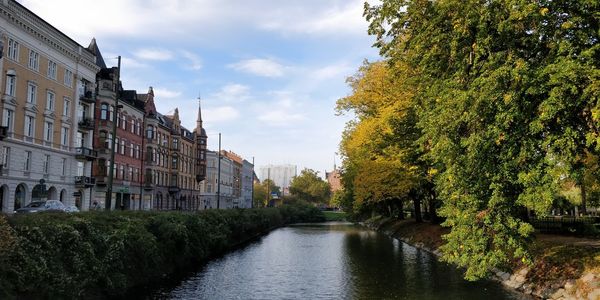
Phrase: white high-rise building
x=280 y=174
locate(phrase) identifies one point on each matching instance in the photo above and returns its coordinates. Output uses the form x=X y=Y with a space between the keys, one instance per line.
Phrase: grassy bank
x=558 y=261
x=103 y=254
x=334 y=216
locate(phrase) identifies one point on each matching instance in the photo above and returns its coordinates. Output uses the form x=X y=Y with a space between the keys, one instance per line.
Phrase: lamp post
x=219 y=175
x=111 y=169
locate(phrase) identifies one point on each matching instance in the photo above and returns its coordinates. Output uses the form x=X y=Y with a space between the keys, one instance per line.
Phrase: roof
x=93 y=47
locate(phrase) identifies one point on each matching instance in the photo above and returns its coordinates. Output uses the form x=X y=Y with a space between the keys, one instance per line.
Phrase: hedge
x=105 y=254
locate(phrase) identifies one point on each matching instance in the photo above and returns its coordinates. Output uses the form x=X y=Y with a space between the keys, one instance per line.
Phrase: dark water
x=330 y=261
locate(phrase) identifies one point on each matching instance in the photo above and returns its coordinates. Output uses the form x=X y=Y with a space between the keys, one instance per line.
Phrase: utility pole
x=268 y=185
x=219 y=175
x=252 y=202
x=111 y=170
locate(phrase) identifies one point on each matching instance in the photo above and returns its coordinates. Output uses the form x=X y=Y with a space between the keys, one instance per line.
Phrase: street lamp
x=111 y=169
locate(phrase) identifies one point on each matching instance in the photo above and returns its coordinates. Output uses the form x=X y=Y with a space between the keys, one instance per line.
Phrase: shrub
x=100 y=254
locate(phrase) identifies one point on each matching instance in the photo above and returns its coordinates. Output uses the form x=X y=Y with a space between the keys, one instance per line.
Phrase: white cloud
x=220 y=114
x=154 y=54
x=280 y=117
x=338 y=20
x=232 y=92
x=259 y=66
x=194 y=61
x=166 y=93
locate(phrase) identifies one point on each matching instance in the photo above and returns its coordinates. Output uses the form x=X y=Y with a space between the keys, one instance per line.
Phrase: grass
x=334 y=215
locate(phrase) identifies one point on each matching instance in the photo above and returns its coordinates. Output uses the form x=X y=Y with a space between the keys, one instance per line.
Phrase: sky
x=268 y=71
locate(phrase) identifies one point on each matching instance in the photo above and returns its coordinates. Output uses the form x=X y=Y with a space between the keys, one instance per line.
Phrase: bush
x=102 y=254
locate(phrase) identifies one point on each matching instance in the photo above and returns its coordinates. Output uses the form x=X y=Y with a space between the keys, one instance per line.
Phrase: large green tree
x=308 y=186
x=263 y=192
x=507 y=99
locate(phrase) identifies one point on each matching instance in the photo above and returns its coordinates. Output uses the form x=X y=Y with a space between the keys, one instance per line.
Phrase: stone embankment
x=546 y=283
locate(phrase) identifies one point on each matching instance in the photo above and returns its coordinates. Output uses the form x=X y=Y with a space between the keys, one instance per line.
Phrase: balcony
x=3 y=132
x=174 y=189
x=85 y=153
x=101 y=180
x=88 y=96
x=84 y=181
x=86 y=123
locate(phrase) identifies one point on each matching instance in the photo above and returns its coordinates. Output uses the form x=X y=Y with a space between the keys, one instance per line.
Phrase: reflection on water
x=330 y=261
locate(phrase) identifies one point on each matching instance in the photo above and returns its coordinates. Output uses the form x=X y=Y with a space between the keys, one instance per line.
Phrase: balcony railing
x=174 y=189
x=86 y=123
x=84 y=181
x=85 y=153
x=88 y=96
x=3 y=132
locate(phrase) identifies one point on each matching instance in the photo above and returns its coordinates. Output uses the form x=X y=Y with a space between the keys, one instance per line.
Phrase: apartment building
x=48 y=83
x=247 y=184
x=218 y=194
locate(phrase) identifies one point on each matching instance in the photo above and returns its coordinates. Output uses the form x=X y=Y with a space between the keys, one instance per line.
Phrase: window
x=104 y=111
x=13 y=49
x=124 y=121
x=131 y=150
x=51 y=70
x=11 y=85
x=136 y=175
x=174 y=165
x=80 y=168
x=27 y=161
x=31 y=92
x=122 y=171
x=63 y=166
x=175 y=143
x=68 y=78
x=48 y=130
x=130 y=175
x=107 y=167
x=116 y=144
x=150 y=132
x=133 y=125
x=66 y=106
x=46 y=163
x=29 y=126
x=5 y=156
x=102 y=139
x=50 y=101
x=137 y=151
x=109 y=141
x=64 y=136
x=8 y=119
x=34 y=60
x=123 y=147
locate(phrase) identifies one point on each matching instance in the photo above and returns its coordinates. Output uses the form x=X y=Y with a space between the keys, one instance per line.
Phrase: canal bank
x=105 y=254
x=563 y=267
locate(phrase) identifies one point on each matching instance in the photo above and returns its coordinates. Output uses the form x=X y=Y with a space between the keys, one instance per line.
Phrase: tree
x=506 y=96
x=263 y=192
x=308 y=186
x=383 y=164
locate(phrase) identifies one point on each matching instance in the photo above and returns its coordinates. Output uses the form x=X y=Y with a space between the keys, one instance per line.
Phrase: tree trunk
x=583 y=198
x=400 y=210
x=432 y=210
x=417 y=204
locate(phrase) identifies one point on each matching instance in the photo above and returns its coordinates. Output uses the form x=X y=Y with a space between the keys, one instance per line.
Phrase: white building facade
x=281 y=175
x=211 y=195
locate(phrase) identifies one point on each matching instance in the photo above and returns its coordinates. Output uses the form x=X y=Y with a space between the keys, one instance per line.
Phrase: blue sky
x=269 y=72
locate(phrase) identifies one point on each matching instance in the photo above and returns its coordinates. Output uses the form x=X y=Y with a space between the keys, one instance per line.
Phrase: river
x=330 y=261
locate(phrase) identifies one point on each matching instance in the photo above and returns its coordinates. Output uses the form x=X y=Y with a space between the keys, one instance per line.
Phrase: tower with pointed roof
x=201 y=139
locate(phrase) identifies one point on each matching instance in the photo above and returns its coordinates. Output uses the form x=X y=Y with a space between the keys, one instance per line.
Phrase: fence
x=566 y=225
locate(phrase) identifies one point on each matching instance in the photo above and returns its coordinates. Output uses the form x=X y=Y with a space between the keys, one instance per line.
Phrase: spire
x=199 y=120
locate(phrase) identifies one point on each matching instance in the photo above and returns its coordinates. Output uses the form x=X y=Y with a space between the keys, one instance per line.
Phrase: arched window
x=104 y=111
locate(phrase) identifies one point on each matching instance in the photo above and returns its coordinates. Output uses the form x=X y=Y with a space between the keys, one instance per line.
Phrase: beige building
x=47 y=84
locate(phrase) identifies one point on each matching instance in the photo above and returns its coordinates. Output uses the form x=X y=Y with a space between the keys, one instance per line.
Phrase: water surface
x=330 y=261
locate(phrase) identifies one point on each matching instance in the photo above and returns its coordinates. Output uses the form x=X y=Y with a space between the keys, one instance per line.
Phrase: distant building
x=334 y=178
x=281 y=175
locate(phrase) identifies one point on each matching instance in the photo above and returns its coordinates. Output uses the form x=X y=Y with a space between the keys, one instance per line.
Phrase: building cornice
x=35 y=26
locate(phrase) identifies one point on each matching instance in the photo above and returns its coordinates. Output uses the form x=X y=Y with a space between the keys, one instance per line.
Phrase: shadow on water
x=326 y=261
